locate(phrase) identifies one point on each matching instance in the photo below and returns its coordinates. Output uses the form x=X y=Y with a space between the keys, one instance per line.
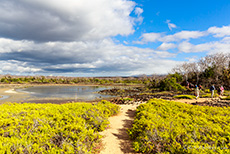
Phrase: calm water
x=68 y=92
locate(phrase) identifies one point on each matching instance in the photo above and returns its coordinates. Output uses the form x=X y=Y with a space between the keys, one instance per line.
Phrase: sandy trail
x=116 y=139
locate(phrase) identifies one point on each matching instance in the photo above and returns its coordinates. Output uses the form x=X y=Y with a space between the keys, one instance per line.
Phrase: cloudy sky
x=109 y=37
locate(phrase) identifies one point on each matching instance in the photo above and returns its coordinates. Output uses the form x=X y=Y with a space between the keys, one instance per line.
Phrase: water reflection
x=4 y=97
x=68 y=92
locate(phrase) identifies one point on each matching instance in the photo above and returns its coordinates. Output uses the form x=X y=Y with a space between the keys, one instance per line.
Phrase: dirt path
x=116 y=140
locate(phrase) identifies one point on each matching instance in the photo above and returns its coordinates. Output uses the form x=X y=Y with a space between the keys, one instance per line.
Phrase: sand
x=116 y=139
x=11 y=95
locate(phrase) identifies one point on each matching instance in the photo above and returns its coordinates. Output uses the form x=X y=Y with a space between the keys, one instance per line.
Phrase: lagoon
x=78 y=93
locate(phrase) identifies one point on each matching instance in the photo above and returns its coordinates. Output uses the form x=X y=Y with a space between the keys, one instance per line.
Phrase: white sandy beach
x=11 y=91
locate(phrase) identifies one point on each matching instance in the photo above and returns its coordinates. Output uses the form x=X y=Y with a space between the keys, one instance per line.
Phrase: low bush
x=225 y=98
x=52 y=128
x=127 y=99
x=158 y=93
x=184 y=96
x=209 y=95
x=162 y=126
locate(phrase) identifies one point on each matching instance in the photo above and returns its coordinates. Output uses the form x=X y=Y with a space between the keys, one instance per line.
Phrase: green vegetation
x=158 y=93
x=127 y=99
x=226 y=98
x=212 y=69
x=171 y=83
x=171 y=127
x=185 y=96
x=209 y=95
x=226 y=93
x=73 y=80
x=49 y=128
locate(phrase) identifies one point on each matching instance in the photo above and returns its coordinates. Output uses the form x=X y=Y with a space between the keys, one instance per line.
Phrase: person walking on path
x=197 y=91
x=221 y=90
x=212 y=88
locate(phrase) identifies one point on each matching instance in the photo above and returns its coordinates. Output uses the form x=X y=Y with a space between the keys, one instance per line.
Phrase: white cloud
x=72 y=20
x=189 y=48
x=219 y=32
x=8 y=45
x=149 y=37
x=218 y=47
x=185 y=47
x=17 y=67
x=183 y=35
x=210 y=47
x=103 y=57
x=226 y=39
x=138 y=11
x=170 y=25
x=166 y=46
x=192 y=59
x=125 y=42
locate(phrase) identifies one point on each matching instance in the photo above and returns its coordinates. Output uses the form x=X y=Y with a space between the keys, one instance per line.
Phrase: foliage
x=127 y=99
x=211 y=69
x=158 y=93
x=51 y=128
x=226 y=98
x=226 y=93
x=179 y=77
x=170 y=84
x=209 y=95
x=162 y=126
x=185 y=96
x=73 y=80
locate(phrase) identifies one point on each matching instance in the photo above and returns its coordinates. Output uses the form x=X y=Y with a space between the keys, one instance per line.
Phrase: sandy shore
x=8 y=92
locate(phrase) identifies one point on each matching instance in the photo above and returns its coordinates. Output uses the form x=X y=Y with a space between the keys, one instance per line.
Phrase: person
x=197 y=91
x=212 y=88
x=200 y=87
x=221 y=90
x=187 y=84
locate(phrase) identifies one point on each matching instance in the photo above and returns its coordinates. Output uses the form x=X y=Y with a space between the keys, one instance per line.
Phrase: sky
x=93 y=38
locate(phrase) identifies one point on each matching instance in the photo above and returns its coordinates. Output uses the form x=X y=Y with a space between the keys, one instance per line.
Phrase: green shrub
x=52 y=128
x=158 y=93
x=184 y=96
x=127 y=99
x=226 y=98
x=226 y=93
x=162 y=126
x=170 y=84
x=209 y=95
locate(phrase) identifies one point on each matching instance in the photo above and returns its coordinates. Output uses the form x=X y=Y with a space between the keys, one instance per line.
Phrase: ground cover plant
x=185 y=96
x=51 y=128
x=209 y=95
x=162 y=126
x=226 y=98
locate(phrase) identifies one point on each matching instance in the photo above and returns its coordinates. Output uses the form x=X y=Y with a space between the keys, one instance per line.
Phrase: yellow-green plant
x=226 y=98
x=162 y=126
x=185 y=96
x=209 y=95
x=51 y=128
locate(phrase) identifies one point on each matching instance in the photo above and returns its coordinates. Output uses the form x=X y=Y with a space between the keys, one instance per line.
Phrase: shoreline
x=8 y=93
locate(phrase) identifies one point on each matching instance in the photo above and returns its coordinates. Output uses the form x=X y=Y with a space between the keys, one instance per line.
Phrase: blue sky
x=109 y=38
